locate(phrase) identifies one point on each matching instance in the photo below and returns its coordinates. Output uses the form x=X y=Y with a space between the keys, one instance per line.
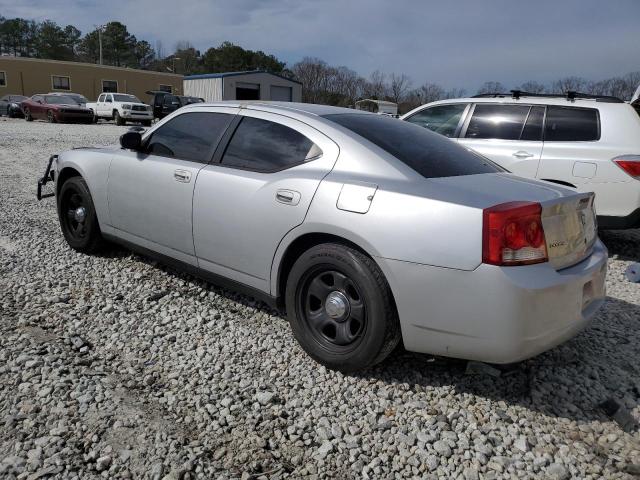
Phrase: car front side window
x=442 y=119
x=265 y=146
x=190 y=136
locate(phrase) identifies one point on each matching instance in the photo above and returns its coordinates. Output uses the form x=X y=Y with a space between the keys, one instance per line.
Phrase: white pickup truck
x=122 y=108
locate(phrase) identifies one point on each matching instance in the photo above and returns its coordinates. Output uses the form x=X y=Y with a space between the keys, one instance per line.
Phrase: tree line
x=322 y=83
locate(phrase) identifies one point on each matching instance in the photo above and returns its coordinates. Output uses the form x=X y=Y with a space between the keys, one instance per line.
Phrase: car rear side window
x=442 y=119
x=190 y=136
x=571 y=124
x=264 y=146
x=429 y=154
x=504 y=122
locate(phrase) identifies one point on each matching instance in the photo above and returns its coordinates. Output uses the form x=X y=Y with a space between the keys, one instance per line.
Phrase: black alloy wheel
x=332 y=309
x=77 y=216
x=340 y=307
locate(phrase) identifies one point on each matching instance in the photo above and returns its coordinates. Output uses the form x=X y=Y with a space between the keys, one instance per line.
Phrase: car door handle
x=289 y=197
x=183 y=176
x=522 y=154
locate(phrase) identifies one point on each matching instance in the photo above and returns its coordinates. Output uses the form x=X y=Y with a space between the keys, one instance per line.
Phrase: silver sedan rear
x=365 y=229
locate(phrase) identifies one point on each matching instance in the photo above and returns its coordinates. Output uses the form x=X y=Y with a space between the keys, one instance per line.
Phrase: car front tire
x=27 y=115
x=77 y=216
x=118 y=119
x=51 y=117
x=340 y=308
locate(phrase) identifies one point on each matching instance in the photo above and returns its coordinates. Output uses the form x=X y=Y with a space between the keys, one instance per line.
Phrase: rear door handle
x=288 y=197
x=522 y=154
x=183 y=176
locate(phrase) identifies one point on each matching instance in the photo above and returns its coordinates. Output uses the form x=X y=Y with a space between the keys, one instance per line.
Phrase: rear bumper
x=620 y=223
x=495 y=314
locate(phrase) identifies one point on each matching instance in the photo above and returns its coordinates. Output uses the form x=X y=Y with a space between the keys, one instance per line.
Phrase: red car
x=55 y=108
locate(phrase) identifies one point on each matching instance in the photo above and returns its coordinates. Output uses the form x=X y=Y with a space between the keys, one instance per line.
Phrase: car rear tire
x=27 y=115
x=118 y=119
x=51 y=117
x=77 y=216
x=340 y=308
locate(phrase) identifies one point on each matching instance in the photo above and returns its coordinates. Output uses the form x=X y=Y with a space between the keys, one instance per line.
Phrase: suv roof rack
x=570 y=96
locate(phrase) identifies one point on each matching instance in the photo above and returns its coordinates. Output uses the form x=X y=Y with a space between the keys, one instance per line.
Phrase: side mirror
x=131 y=140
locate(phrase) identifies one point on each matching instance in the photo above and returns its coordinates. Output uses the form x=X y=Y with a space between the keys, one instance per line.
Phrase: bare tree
x=398 y=87
x=430 y=92
x=377 y=87
x=532 y=87
x=575 y=84
x=491 y=87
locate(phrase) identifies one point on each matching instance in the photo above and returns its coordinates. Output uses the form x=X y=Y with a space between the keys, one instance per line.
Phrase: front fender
x=93 y=166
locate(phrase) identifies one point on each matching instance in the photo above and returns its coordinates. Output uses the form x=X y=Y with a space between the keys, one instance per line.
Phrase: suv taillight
x=512 y=234
x=630 y=164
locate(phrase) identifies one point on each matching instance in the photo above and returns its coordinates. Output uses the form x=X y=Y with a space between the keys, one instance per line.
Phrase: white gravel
x=115 y=367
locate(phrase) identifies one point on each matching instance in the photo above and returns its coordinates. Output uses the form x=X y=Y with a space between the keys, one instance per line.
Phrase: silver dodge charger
x=364 y=229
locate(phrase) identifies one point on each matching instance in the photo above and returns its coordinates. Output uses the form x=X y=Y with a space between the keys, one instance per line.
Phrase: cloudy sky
x=457 y=43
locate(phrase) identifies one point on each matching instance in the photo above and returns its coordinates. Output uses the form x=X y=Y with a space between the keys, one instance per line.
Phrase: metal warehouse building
x=28 y=76
x=252 y=85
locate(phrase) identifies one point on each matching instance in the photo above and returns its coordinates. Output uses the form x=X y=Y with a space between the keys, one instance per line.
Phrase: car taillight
x=630 y=164
x=513 y=234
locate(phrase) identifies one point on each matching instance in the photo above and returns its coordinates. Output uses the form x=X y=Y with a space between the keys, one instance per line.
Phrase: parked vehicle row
x=68 y=107
x=367 y=230
x=588 y=143
x=10 y=105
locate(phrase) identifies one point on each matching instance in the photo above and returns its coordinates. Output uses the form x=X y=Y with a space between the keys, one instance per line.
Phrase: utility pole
x=100 y=27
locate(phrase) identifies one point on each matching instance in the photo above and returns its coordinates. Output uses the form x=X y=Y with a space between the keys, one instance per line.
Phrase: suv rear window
x=428 y=153
x=570 y=124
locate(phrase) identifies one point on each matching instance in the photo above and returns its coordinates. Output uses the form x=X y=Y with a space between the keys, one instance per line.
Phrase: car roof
x=311 y=109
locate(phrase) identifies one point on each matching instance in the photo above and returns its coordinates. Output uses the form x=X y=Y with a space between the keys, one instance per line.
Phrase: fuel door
x=356 y=198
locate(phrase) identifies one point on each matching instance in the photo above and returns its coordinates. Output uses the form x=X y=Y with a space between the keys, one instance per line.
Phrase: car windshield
x=59 y=100
x=80 y=98
x=126 y=98
x=430 y=154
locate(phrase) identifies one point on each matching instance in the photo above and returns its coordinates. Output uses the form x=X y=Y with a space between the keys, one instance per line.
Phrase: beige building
x=28 y=76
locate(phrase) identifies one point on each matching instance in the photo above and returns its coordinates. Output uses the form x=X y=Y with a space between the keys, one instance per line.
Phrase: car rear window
x=569 y=124
x=428 y=153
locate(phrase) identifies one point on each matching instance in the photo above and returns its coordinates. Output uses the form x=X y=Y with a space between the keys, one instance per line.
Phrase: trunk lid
x=570 y=229
x=568 y=216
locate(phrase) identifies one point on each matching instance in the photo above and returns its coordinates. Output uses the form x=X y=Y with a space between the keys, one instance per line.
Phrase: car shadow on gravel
x=622 y=244
x=570 y=381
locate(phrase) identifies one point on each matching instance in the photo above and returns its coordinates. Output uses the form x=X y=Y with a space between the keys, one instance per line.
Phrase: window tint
x=429 y=154
x=267 y=146
x=497 y=121
x=533 y=128
x=568 y=124
x=190 y=136
x=3 y=79
x=443 y=119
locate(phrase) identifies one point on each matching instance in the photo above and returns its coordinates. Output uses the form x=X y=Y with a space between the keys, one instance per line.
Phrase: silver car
x=365 y=229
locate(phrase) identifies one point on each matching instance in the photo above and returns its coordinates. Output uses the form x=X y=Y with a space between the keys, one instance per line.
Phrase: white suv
x=122 y=108
x=590 y=143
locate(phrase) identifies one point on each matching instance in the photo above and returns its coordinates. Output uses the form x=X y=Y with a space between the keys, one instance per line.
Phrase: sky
x=456 y=43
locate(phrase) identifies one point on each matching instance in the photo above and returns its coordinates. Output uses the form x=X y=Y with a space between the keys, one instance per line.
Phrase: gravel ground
x=115 y=367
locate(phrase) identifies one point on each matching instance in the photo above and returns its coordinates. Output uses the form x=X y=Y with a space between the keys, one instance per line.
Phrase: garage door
x=280 y=94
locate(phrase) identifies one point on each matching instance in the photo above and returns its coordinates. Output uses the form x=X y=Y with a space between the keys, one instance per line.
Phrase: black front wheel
x=27 y=115
x=51 y=117
x=77 y=216
x=340 y=308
